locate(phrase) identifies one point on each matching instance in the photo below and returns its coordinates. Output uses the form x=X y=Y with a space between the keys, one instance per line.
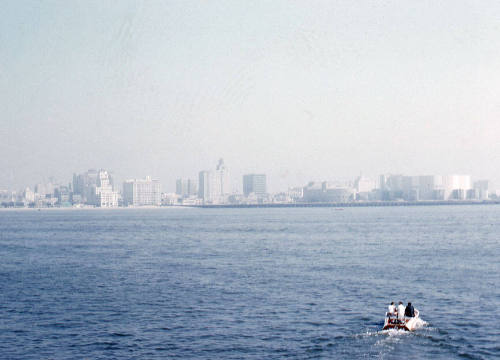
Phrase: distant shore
x=354 y=204
x=277 y=205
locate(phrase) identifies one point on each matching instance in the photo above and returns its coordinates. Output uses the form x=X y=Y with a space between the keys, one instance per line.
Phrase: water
x=248 y=283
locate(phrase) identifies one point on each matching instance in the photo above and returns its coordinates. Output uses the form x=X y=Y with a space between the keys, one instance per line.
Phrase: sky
x=298 y=90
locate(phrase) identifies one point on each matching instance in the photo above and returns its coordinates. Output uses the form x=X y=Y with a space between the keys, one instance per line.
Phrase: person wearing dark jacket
x=409 y=311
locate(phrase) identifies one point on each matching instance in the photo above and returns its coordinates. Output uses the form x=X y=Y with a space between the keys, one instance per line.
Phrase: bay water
x=299 y=283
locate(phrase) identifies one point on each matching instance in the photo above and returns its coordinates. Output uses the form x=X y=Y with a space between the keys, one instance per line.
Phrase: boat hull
x=408 y=324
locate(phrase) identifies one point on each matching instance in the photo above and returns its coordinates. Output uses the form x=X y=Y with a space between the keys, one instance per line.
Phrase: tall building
x=456 y=186
x=140 y=192
x=214 y=185
x=85 y=184
x=363 y=184
x=186 y=187
x=104 y=194
x=254 y=183
x=483 y=188
x=222 y=182
x=206 y=185
x=94 y=187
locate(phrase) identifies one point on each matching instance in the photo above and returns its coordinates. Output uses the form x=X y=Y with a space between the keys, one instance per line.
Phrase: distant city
x=95 y=188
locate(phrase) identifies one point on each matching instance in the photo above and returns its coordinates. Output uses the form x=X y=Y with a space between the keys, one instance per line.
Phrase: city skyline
x=98 y=188
x=237 y=183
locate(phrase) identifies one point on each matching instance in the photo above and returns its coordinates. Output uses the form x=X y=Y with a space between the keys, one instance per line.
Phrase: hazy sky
x=299 y=90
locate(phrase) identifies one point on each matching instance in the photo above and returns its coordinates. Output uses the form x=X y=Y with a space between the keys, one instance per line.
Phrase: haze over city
x=296 y=90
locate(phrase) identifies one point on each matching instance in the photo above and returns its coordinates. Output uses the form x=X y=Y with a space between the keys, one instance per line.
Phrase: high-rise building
x=140 y=192
x=363 y=184
x=214 y=186
x=456 y=186
x=104 y=194
x=222 y=183
x=186 y=187
x=95 y=187
x=206 y=185
x=254 y=183
x=85 y=184
x=483 y=188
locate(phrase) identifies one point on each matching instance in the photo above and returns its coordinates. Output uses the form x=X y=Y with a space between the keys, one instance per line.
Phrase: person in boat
x=401 y=312
x=391 y=310
x=409 y=311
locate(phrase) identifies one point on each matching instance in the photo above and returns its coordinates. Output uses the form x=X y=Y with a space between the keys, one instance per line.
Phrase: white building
x=214 y=186
x=456 y=186
x=363 y=184
x=206 y=186
x=141 y=192
x=104 y=194
x=426 y=187
x=29 y=195
x=222 y=182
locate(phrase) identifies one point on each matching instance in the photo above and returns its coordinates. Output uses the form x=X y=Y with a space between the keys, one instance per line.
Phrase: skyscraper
x=254 y=183
x=186 y=187
x=206 y=185
x=222 y=182
x=85 y=184
x=104 y=194
x=214 y=186
x=95 y=187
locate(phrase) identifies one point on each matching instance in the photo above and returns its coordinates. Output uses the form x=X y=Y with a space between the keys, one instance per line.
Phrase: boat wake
x=418 y=323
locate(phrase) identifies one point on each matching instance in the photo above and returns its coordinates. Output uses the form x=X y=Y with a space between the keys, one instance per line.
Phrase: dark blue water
x=248 y=283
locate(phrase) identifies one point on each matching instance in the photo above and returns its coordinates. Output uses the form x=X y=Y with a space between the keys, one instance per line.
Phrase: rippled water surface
x=248 y=283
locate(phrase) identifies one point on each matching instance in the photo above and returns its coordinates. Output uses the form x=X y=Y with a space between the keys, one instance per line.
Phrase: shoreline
x=357 y=204
x=274 y=205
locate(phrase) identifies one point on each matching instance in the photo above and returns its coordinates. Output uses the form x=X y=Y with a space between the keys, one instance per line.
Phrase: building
x=141 y=192
x=63 y=195
x=483 y=189
x=364 y=187
x=456 y=186
x=206 y=186
x=254 y=184
x=222 y=182
x=85 y=185
x=425 y=187
x=214 y=186
x=327 y=192
x=44 y=189
x=104 y=194
x=94 y=187
x=169 y=199
x=29 y=195
x=186 y=188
